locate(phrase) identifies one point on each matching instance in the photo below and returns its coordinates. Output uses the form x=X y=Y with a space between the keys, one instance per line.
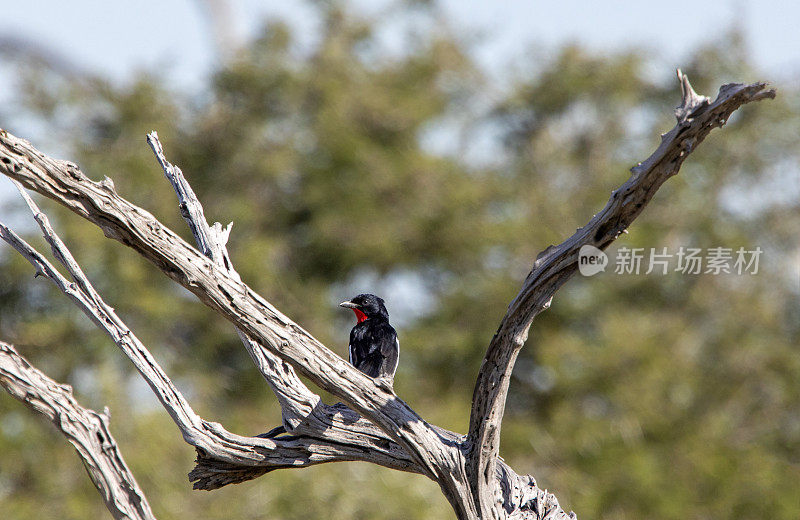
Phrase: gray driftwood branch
x=293 y=395
x=472 y=477
x=85 y=429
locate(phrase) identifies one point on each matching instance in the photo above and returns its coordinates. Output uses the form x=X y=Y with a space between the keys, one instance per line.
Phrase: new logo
x=591 y=260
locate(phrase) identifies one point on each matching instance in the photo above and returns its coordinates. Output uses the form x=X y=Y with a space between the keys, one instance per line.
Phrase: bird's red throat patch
x=360 y=315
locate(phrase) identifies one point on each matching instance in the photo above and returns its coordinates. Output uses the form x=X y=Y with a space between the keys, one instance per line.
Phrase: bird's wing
x=394 y=361
x=389 y=350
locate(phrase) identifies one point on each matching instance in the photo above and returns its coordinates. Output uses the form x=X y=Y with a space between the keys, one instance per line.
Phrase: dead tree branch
x=696 y=116
x=257 y=318
x=472 y=477
x=85 y=429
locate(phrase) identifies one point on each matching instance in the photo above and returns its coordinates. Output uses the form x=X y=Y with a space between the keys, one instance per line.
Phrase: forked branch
x=472 y=477
x=302 y=410
x=234 y=300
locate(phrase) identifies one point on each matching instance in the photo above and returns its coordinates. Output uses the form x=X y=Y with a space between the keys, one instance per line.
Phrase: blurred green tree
x=636 y=396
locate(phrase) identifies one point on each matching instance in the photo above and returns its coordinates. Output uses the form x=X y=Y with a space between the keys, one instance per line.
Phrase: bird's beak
x=349 y=305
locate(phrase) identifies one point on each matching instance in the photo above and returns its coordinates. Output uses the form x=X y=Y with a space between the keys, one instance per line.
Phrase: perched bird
x=374 y=348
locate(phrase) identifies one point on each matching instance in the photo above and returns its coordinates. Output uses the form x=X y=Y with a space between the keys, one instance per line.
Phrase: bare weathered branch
x=697 y=116
x=85 y=429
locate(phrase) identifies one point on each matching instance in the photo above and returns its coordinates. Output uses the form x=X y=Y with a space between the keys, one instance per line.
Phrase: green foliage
x=660 y=396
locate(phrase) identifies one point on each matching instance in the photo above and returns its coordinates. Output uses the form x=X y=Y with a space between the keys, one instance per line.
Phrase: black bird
x=374 y=348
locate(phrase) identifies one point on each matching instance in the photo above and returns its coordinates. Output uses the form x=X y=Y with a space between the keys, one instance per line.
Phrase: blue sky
x=119 y=38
